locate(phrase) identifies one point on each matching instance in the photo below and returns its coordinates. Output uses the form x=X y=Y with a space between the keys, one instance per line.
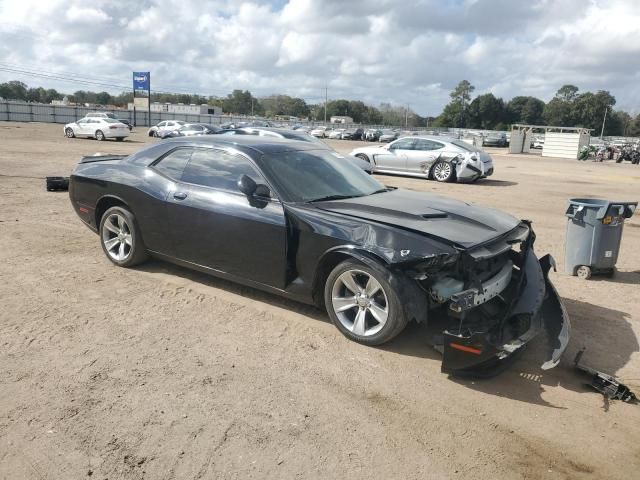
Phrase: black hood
x=442 y=218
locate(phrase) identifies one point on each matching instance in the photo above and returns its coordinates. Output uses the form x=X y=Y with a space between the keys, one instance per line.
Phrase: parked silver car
x=441 y=158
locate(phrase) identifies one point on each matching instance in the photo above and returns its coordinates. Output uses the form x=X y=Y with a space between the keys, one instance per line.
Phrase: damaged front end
x=497 y=298
x=470 y=167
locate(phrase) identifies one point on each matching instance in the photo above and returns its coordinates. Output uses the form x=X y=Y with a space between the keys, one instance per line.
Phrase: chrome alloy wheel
x=116 y=237
x=442 y=171
x=360 y=303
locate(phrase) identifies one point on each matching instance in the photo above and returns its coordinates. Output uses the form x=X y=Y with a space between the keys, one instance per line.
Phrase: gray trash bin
x=594 y=231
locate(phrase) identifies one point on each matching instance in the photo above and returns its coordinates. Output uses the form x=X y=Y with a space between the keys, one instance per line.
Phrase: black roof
x=247 y=143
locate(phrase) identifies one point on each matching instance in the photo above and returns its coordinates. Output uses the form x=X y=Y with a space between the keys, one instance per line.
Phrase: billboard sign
x=141 y=81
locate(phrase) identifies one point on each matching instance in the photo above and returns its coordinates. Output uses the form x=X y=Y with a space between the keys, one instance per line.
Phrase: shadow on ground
x=628 y=278
x=488 y=182
x=605 y=333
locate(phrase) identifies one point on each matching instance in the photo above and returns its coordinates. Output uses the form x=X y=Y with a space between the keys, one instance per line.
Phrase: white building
x=192 y=109
x=341 y=119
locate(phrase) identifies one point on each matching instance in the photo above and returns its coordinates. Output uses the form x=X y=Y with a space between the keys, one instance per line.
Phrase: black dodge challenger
x=298 y=220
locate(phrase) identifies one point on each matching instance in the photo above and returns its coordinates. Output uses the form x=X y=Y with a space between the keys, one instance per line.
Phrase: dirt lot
x=161 y=373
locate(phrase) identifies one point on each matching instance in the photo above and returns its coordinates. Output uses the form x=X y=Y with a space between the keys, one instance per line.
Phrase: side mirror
x=247 y=185
x=262 y=191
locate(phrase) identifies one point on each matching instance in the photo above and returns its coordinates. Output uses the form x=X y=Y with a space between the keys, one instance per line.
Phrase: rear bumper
x=535 y=309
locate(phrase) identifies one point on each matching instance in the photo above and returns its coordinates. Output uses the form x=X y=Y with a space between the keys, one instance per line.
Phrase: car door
x=393 y=157
x=81 y=127
x=424 y=155
x=217 y=226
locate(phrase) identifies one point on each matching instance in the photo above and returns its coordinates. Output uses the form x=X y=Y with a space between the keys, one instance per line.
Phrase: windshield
x=311 y=175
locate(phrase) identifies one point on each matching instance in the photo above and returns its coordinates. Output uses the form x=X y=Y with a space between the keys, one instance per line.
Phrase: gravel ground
x=161 y=373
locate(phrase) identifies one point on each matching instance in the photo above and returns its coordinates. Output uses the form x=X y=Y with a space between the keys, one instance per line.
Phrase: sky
x=405 y=52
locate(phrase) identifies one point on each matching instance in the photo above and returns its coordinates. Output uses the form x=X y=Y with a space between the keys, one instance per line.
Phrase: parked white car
x=98 y=128
x=337 y=133
x=165 y=126
x=321 y=132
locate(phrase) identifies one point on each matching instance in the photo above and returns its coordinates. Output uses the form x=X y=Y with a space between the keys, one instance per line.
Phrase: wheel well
x=363 y=156
x=327 y=264
x=104 y=204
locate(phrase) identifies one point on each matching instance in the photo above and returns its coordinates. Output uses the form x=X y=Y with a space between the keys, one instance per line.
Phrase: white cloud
x=403 y=51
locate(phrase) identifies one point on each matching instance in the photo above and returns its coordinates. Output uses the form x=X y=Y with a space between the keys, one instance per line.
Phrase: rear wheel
x=443 y=171
x=99 y=135
x=69 y=132
x=362 y=304
x=120 y=238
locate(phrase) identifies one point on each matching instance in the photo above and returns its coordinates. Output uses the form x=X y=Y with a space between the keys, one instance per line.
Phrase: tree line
x=569 y=107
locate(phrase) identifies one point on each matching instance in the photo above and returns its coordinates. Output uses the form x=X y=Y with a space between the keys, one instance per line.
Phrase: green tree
x=103 y=98
x=456 y=112
x=527 y=110
x=241 y=103
x=486 y=111
x=13 y=90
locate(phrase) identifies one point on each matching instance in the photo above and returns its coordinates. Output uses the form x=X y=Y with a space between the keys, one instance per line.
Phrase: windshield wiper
x=332 y=197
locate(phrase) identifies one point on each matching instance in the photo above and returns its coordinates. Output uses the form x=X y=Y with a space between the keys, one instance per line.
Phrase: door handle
x=179 y=195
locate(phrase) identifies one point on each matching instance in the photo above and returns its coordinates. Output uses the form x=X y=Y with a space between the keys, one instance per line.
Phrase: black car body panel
x=426 y=242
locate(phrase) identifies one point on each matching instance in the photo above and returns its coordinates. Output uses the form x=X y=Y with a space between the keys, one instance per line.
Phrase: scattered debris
x=606 y=384
x=57 y=183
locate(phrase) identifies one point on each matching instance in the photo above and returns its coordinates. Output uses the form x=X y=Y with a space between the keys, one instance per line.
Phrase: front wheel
x=99 y=135
x=362 y=156
x=362 y=303
x=120 y=238
x=69 y=133
x=443 y=171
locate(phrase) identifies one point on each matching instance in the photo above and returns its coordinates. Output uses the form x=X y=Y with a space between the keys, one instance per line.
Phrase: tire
x=362 y=156
x=69 y=133
x=119 y=139
x=121 y=239
x=366 y=319
x=154 y=134
x=443 y=171
x=99 y=135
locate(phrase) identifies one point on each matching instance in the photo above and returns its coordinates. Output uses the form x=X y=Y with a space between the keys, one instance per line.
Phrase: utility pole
x=406 y=117
x=252 y=105
x=326 y=97
x=604 y=120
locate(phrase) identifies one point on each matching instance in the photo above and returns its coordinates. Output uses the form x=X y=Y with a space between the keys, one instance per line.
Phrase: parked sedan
x=99 y=128
x=372 y=135
x=494 y=140
x=443 y=159
x=337 y=133
x=321 y=132
x=165 y=125
x=294 y=220
x=190 y=129
x=388 y=136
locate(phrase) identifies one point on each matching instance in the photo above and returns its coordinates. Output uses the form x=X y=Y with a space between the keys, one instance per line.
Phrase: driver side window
x=403 y=144
x=218 y=169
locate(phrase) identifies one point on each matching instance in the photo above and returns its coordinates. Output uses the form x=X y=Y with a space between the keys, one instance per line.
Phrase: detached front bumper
x=469 y=169
x=535 y=307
